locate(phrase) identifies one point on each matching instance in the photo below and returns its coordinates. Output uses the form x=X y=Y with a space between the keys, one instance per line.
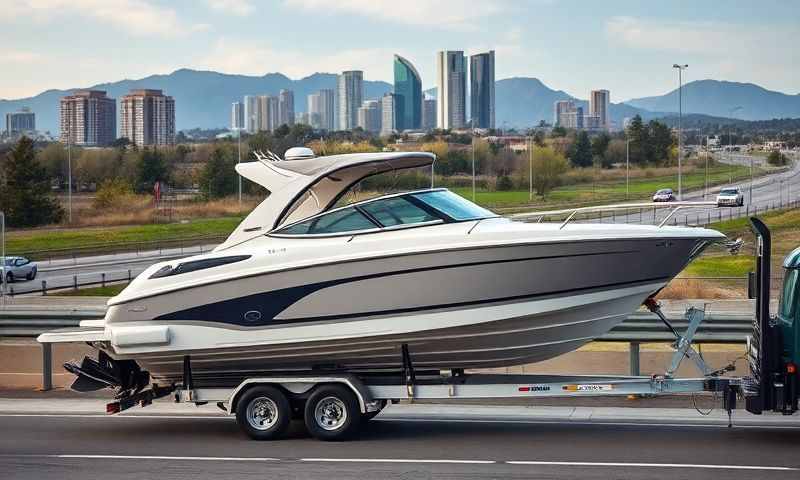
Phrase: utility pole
x=705 y=191
x=627 y=168
x=69 y=175
x=3 y=241
x=680 y=68
x=530 y=168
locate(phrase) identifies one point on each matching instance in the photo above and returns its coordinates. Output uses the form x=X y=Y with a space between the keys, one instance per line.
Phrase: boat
x=308 y=282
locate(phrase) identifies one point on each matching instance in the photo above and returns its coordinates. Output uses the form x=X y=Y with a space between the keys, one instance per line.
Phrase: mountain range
x=203 y=98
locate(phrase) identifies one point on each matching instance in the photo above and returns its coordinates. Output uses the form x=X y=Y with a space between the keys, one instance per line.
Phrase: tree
x=581 y=154
x=638 y=135
x=218 y=178
x=558 y=132
x=548 y=166
x=150 y=168
x=777 y=159
x=615 y=153
x=660 y=142
x=25 y=194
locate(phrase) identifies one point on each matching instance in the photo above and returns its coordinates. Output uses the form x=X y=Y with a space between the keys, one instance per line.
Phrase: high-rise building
x=327 y=109
x=387 y=114
x=560 y=108
x=148 y=117
x=286 y=107
x=429 y=114
x=251 y=120
x=568 y=115
x=301 y=117
x=266 y=113
x=88 y=118
x=599 y=101
x=408 y=95
x=314 y=117
x=451 y=84
x=481 y=89
x=20 y=122
x=237 y=116
x=351 y=95
x=369 y=116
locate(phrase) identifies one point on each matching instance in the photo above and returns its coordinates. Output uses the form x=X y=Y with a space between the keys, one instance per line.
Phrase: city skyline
x=617 y=36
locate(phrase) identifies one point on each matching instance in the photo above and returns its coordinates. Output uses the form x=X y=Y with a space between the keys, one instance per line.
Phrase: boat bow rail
x=572 y=213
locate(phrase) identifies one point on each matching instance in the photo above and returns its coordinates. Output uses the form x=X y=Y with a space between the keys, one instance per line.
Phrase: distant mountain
x=202 y=98
x=719 y=98
x=525 y=101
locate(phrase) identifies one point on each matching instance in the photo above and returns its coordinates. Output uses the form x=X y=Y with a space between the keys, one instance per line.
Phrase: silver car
x=18 y=268
x=730 y=197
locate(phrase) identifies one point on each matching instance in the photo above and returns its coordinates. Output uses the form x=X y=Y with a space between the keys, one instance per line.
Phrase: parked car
x=730 y=197
x=17 y=268
x=664 y=195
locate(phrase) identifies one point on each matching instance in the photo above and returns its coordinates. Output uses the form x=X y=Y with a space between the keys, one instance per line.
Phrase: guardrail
x=638 y=328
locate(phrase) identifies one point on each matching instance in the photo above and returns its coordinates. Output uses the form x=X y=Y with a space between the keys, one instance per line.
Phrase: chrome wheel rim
x=330 y=413
x=262 y=413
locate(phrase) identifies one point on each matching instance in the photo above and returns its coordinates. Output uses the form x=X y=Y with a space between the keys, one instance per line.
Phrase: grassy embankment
x=785 y=228
x=107 y=291
x=610 y=187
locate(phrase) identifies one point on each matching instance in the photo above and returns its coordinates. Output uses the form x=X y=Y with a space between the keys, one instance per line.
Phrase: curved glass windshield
x=339 y=221
x=452 y=205
x=728 y=191
x=397 y=211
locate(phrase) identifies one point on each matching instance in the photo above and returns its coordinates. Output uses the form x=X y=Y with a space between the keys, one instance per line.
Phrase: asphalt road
x=93 y=446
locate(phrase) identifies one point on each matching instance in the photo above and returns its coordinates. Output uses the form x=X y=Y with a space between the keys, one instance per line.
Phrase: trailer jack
x=683 y=343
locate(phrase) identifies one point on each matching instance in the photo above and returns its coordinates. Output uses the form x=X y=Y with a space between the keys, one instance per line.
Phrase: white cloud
x=137 y=17
x=445 y=14
x=249 y=59
x=236 y=7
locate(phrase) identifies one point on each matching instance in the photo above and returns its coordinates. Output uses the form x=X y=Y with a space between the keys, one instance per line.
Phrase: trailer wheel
x=263 y=413
x=332 y=413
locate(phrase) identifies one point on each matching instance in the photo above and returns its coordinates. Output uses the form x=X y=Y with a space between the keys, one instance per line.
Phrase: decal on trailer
x=590 y=387
x=535 y=388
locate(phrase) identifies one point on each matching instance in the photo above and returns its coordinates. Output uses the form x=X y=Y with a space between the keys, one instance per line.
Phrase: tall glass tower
x=481 y=81
x=408 y=95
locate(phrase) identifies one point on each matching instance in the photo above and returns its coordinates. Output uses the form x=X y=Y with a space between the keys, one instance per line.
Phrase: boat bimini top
x=302 y=188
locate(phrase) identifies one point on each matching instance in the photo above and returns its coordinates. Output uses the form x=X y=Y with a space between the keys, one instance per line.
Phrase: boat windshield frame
x=441 y=216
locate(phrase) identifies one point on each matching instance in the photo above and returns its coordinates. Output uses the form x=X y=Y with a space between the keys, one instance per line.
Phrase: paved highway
x=85 y=446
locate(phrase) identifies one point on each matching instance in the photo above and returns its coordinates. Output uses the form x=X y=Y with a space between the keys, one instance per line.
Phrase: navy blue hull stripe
x=271 y=303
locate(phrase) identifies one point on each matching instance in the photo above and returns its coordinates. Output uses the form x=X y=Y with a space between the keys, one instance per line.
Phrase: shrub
x=113 y=194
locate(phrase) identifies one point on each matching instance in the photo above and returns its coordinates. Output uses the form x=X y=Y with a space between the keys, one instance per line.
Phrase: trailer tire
x=263 y=413
x=332 y=413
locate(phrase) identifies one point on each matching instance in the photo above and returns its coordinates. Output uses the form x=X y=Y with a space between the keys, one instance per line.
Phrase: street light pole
x=239 y=142
x=473 y=162
x=627 y=168
x=530 y=168
x=680 y=131
x=705 y=191
x=69 y=176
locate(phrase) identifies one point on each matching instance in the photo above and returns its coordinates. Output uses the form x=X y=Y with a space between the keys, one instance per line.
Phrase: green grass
x=718 y=266
x=104 y=238
x=641 y=188
x=107 y=291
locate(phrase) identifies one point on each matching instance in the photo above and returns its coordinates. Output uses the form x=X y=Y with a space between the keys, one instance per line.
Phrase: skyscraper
x=408 y=95
x=237 y=116
x=88 y=118
x=20 y=122
x=327 y=112
x=599 y=101
x=148 y=117
x=314 y=117
x=351 y=95
x=387 y=114
x=286 y=107
x=369 y=116
x=481 y=88
x=264 y=113
x=451 y=84
x=429 y=114
x=560 y=108
x=251 y=120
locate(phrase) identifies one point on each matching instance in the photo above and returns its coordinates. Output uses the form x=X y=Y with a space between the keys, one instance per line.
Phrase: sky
x=627 y=47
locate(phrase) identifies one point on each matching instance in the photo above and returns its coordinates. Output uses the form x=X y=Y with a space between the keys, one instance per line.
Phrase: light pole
x=239 y=145
x=530 y=172
x=627 y=168
x=705 y=191
x=730 y=146
x=680 y=68
x=69 y=176
x=3 y=248
x=473 y=162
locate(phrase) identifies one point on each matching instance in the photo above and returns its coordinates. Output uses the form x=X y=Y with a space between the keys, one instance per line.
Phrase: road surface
x=402 y=445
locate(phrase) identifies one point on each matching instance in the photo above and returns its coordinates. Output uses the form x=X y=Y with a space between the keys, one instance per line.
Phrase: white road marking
x=565 y=421
x=651 y=465
x=164 y=457
x=396 y=460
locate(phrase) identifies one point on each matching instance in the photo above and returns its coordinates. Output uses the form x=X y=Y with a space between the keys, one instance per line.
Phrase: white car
x=730 y=197
x=18 y=268
x=664 y=195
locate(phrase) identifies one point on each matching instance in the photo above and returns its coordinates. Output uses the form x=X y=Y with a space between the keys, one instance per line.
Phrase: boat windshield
x=396 y=211
x=452 y=205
